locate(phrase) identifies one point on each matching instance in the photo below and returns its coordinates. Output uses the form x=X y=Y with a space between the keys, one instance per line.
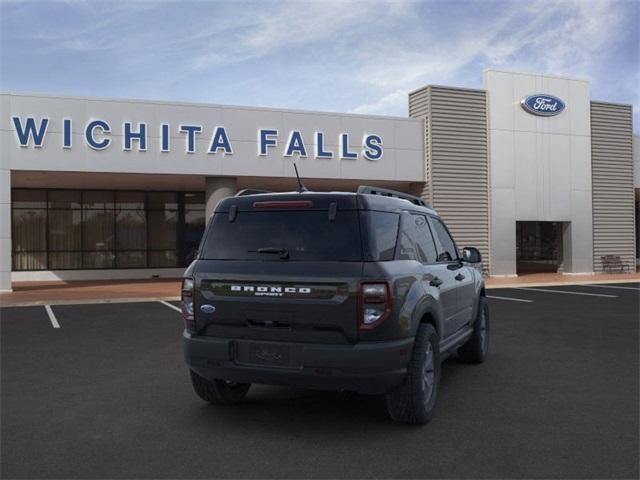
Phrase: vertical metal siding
x=612 y=180
x=456 y=150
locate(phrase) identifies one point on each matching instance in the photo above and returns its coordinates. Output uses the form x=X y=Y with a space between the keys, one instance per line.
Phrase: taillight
x=187 y=304
x=374 y=304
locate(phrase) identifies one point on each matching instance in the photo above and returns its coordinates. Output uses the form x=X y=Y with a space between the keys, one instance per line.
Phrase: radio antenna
x=301 y=187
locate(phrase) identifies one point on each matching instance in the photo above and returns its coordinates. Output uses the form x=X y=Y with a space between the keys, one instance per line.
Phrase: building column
x=218 y=188
x=5 y=229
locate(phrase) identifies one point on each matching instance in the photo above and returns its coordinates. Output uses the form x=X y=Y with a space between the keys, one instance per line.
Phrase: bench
x=613 y=263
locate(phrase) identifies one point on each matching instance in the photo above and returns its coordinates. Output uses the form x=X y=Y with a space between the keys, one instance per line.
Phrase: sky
x=343 y=55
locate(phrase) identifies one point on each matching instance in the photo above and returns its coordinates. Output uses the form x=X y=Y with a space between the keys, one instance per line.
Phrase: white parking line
x=52 y=317
x=610 y=286
x=568 y=292
x=512 y=299
x=177 y=309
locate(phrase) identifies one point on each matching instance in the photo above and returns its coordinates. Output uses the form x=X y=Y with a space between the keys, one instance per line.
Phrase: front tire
x=217 y=391
x=414 y=401
x=476 y=349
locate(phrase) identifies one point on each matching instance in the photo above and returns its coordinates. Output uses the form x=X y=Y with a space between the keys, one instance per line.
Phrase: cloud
x=288 y=25
x=345 y=55
x=394 y=103
x=551 y=37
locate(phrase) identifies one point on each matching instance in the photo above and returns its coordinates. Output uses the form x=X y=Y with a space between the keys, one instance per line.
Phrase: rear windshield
x=280 y=236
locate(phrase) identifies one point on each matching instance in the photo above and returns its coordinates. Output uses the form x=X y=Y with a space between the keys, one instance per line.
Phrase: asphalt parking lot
x=105 y=394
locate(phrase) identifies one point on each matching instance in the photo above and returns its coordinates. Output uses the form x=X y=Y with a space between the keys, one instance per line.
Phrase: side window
x=384 y=230
x=416 y=242
x=447 y=250
x=424 y=240
x=406 y=245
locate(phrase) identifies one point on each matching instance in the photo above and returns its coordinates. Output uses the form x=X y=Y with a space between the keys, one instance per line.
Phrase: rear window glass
x=304 y=235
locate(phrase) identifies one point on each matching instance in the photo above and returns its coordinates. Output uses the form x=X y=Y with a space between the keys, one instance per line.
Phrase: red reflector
x=284 y=204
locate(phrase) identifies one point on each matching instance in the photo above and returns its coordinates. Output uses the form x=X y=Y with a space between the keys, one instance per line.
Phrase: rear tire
x=414 y=401
x=218 y=392
x=476 y=349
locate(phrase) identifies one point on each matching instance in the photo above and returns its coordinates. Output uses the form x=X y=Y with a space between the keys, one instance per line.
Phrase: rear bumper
x=370 y=368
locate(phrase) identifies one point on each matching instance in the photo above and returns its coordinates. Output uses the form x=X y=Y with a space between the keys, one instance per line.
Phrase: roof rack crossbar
x=250 y=191
x=366 y=189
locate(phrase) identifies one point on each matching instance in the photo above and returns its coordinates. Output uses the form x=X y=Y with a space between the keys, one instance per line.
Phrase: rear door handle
x=435 y=282
x=459 y=277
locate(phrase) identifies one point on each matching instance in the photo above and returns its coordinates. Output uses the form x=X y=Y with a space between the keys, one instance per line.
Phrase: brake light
x=374 y=304
x=187 y=304
x=284 y=204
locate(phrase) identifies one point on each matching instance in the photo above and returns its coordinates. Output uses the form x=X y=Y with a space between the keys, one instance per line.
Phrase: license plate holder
x=265 y=354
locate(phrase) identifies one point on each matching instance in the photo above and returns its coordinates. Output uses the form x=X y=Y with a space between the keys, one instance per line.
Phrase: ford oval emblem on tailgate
x=207 y=308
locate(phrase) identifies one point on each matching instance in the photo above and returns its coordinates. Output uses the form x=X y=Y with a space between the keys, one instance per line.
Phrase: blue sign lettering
x=89 y=132
x=97 y=135
x=265 y=140
x=191 y=131
x=30 y=131
x=219 y=140
x=140 y=136
x=295 y=145
x=320 y=151
x=67 y=133
x=345 y=154
x=372 y=147
x=164 y=137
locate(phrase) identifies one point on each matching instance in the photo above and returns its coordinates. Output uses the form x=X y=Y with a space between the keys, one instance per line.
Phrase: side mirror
x=471 y=255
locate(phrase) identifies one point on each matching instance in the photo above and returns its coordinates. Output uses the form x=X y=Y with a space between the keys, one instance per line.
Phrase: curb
x=561 y=284
x=41 y=303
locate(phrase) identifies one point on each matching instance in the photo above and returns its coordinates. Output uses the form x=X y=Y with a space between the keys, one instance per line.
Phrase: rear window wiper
x=283 y=252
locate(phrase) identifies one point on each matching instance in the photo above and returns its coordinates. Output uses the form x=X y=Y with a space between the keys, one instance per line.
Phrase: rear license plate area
x=264 y=354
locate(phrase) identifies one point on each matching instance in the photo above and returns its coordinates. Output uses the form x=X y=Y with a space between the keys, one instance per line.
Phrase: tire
x=414 y=400
x=218 y=392
x=476 y=349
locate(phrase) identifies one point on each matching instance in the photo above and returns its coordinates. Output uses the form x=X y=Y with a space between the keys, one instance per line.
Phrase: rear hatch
x=283 y=268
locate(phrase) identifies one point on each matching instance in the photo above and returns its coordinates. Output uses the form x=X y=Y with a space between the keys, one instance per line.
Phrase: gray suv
x=364 y=292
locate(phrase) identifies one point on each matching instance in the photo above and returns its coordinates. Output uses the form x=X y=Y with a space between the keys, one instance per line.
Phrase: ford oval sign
x=543 y=105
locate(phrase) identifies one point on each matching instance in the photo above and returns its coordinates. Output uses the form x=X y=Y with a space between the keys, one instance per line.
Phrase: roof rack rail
x=392 y=193
x=250 y=191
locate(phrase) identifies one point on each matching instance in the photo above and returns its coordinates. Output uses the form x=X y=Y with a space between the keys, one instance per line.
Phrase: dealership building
x=529 y=169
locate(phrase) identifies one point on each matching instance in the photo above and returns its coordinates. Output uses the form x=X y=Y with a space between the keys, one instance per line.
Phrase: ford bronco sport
x=364 y=292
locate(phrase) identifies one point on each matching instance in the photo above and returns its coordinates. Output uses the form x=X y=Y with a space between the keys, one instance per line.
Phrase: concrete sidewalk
x=118 y=291
x=555 y=279
x=55 y=293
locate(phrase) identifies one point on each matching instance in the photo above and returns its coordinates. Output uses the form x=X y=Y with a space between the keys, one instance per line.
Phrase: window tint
x=383 y=232
x=425 y=243
x=306 y=235
x=446 y=247
x=416 y=242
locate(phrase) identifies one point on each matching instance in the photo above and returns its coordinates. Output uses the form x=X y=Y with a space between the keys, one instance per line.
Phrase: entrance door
x=538 y=247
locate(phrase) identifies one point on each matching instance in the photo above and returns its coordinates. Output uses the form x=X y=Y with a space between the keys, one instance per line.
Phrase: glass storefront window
x=87 y=229
x=131 y=259
x=65 y=260
x=98 y=260
x=131 y=230
x=65 y=230
x=29 y=230
x=130 y=200
x=65 y=199
x=162 y=201
x=98 y=199
x=166 y=258
x=97 y=230
x=29 y=198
